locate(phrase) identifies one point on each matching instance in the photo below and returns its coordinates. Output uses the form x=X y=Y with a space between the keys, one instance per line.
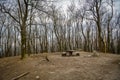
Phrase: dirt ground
x=83 y=67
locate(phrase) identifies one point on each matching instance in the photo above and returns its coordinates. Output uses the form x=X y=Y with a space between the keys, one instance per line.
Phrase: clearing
x=83 y=67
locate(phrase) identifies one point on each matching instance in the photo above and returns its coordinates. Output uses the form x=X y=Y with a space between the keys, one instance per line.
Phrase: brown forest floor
x=104 y=67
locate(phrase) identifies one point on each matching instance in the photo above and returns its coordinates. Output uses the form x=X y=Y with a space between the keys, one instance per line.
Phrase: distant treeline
x=32 y=27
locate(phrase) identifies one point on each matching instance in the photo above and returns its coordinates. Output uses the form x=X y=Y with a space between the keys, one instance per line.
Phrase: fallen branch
x=21 y=75
x=46 y=57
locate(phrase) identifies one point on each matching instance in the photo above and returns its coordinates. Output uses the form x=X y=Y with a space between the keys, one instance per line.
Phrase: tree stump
x=77 y=54
x=64 y=54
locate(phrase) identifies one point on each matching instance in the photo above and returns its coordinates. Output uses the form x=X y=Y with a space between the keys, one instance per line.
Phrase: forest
x=38 y=26
x=59 y=39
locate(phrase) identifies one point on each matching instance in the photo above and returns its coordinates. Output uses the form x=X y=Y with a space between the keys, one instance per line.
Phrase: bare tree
x=97 y=11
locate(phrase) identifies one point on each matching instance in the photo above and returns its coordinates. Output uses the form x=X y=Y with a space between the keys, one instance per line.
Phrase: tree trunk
x=23 y=41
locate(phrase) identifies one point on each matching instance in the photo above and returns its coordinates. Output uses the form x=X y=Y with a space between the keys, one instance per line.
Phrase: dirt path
x=104 y=67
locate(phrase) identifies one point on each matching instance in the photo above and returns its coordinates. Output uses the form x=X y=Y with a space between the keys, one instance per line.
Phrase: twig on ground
x=21 y=75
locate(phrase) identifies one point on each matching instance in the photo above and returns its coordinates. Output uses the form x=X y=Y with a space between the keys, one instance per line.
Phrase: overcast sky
x=117 y=4
x=65 y=3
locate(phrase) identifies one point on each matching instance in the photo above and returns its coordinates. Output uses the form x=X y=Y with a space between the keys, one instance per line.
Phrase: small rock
x=37 y=77
x=35 y=71
x=95 y=54
x=89 y=55
x=51 y=72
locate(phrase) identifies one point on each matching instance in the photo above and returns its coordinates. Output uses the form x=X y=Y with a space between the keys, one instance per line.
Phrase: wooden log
x=77 y=54
x=64 y=54
x=21 y=75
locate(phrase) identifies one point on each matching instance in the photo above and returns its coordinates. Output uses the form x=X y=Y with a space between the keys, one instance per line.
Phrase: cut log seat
x=64 y=54
x=77 y=54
